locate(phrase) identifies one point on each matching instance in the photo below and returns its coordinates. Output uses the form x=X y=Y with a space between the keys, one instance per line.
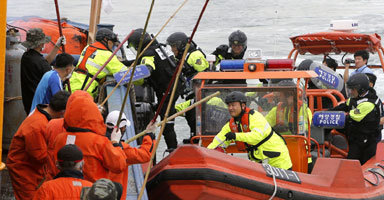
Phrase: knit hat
x=102 y=189
x=70 y=152
x=35 y=37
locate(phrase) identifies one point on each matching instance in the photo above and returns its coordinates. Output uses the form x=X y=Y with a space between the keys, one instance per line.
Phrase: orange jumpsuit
x=67 y=186
x=54 y=127
x=85 y=128
x=134 y=156
x=28 y=154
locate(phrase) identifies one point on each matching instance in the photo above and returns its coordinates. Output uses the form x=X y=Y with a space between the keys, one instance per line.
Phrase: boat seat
x=298 y=152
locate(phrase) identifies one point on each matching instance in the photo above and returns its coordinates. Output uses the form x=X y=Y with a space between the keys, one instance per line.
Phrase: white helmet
x=112 y=118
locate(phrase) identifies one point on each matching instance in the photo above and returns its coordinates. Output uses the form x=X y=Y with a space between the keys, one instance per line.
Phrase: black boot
x=170 y=136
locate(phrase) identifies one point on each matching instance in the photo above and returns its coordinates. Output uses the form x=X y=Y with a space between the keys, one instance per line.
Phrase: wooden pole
x=170 y=100
x=142 y=52
x=59 y=22
x=94 y=19
x=174 y=116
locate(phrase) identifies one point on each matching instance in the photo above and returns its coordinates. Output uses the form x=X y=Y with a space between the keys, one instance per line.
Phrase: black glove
x=221 y=50
x=151 y=135
x=230 y=136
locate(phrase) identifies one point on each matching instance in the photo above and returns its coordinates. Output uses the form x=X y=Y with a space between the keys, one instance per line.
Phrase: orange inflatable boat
x=76 y=36
x=193 y=172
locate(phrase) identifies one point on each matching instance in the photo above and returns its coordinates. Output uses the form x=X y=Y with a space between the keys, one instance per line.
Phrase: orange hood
x=81 y=112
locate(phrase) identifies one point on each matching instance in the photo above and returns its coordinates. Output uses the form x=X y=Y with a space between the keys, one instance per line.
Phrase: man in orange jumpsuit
x=85 y=127
x=134 y=155
x=67 y=184
x=28 y=150
x=54 y=127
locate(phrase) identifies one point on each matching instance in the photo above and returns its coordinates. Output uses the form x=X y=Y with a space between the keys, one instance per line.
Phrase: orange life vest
x=87 y=53
x=242 y=127
x=281 y=115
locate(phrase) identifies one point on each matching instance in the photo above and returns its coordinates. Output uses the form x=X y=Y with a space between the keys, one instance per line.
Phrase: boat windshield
x=280 y=105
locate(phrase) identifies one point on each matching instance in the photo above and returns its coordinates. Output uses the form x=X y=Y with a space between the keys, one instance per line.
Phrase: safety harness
x=244 y=127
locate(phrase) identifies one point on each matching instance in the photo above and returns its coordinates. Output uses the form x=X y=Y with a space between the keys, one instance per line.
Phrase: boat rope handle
x=275 y=188
x=377 y=178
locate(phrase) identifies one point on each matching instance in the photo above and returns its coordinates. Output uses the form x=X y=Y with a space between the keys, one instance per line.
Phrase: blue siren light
x=232 y=65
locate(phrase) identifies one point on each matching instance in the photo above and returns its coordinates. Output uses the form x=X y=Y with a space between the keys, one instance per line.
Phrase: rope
x=102 y=90
x=275 y=189
x=377 y=178
x=8 y=99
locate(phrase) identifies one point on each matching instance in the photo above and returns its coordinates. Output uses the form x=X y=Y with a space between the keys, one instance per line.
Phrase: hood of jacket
x=82 y=113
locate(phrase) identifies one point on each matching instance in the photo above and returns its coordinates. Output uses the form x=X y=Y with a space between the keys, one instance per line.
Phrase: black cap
x=235 y=96
x=70 y=152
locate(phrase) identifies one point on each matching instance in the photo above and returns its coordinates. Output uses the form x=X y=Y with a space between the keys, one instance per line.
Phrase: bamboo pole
x=170 y=100
x=174 y=116
x=134 y=64
x=142 y=52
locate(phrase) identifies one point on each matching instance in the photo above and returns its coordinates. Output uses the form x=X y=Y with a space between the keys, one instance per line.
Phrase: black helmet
x=134 y=40
x=286 y=82
x=178 y=39
x=235 y=96
x=238 y=38
x=105 y=33
x=358 y=81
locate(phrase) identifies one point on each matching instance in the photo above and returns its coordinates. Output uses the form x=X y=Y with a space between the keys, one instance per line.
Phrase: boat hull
x=193 y=172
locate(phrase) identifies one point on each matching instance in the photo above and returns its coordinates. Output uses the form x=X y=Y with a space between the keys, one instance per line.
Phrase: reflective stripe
x=262 y=132
x=97 y=66
x=80 y=59
x=266 y=127
x=170 y=122
x=258 y=130
x=361 y=101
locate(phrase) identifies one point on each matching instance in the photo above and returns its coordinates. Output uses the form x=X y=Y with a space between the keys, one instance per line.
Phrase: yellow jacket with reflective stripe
x=260 y=129
x=93 y=64
x=362 y=110
x=271 y=117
